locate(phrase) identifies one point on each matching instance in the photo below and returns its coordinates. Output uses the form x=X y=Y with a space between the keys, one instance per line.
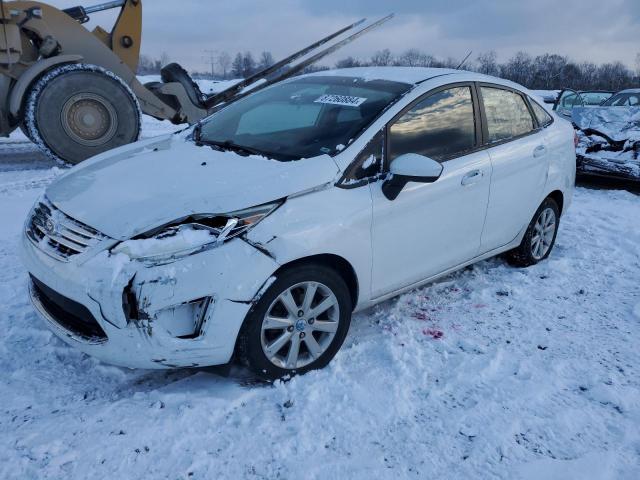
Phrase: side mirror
x=410 y=167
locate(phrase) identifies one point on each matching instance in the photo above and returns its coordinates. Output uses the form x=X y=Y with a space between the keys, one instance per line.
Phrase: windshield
x=302 y=118
x=624 y=100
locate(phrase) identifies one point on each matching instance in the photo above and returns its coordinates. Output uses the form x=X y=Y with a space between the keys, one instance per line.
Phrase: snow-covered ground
x=494 y=372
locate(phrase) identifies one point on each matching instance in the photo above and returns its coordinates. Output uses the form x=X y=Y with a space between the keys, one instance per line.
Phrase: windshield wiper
x=197 y=132
x=229 y=145
x=226 y=145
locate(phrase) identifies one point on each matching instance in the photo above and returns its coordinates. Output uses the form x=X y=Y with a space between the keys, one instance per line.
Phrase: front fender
x=332 y=221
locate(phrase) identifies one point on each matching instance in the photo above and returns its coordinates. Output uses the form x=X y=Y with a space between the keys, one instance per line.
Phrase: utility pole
x=210 y=57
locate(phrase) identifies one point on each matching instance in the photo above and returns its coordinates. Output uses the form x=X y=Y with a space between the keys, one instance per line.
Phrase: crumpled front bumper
x=144 y=309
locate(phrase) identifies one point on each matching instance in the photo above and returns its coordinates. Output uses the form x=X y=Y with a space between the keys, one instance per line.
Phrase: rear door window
x=543 y=117
x=507 y=114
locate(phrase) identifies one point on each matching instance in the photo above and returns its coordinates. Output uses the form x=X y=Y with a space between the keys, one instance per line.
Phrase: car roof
x=409 y=75
x=629 y=90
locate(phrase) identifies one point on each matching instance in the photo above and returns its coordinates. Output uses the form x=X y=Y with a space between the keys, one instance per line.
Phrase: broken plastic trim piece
x=203 y=310
x=130 y=302
x=228 y=228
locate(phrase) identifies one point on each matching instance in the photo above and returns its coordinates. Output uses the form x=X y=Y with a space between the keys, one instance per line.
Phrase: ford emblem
x=50 y=227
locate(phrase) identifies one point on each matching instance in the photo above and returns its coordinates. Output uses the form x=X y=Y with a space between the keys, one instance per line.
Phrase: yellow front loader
x=74 y=92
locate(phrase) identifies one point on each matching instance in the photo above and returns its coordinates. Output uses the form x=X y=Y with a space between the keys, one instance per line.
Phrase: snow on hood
x=132 y=189
x=617 y=123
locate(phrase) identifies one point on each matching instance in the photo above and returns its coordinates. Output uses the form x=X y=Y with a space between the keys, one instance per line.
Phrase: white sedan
x=257 y=233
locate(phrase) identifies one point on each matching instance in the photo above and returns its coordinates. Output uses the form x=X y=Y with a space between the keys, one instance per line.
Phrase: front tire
x=540 y=237
x=76 y=111
x=298 y=324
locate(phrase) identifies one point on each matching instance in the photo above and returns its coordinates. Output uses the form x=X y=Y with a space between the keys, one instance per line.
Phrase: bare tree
x=450 y=62
x=248 y=65
x=382 y=58
x=415 y=58
x=519 y=68
x=549 y=69
x=614 y=76
x=638 y=64
x=237 y=66
x=266 y=60
x=488 y=63
x=146 y=65
x=589 y=73
x=224 y=63
x=348 y=63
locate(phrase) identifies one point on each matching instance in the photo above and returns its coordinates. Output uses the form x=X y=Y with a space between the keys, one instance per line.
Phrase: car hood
x=617 y=123
x=135 y=188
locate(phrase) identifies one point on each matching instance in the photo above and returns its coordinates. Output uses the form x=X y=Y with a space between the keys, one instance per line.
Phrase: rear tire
x=77 y=111
x=540 y=237
x=309 y=333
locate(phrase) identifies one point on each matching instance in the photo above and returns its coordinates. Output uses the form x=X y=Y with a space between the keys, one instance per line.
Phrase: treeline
x=545 y=72
x=242 y=65
x=221 y=65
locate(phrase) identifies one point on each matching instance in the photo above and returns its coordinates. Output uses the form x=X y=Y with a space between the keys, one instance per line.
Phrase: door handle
x=472 y=177
x=539 y=151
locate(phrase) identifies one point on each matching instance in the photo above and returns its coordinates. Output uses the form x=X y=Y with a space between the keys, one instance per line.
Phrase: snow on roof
x=630 y=90
x=410 y=75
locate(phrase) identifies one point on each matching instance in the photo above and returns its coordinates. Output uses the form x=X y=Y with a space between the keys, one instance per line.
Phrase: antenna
x=464 y=60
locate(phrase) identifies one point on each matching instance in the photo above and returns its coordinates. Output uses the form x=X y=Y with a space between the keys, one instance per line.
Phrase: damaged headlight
x=192 y=234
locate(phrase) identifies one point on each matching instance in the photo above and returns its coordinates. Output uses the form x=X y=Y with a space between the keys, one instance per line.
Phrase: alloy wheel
x=300 y=325
x=543 y=233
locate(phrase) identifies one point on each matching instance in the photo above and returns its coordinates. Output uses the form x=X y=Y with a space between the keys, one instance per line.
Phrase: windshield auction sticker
x=344 y=100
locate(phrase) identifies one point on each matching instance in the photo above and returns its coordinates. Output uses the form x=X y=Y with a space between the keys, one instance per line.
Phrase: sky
x=585 y=30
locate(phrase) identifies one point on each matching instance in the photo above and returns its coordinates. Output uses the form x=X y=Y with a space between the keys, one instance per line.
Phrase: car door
x=567 y=101
x=431 y=227
x=519 y=154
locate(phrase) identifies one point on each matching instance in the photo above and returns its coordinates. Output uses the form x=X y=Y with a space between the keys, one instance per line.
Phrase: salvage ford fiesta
x=257 y=233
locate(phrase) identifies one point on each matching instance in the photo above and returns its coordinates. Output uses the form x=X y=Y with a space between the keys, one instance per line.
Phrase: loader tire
x=77 y=111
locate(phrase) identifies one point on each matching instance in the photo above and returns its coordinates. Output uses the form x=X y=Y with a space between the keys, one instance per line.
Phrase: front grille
x=59 y=235
x=72 y=316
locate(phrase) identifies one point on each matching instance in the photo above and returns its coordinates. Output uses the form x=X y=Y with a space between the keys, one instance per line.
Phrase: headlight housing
x=193 y=234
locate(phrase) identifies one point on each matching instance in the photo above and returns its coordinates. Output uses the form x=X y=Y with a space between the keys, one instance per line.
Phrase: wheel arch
x=558 y=197
x=335 y=262
x=23 y=85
